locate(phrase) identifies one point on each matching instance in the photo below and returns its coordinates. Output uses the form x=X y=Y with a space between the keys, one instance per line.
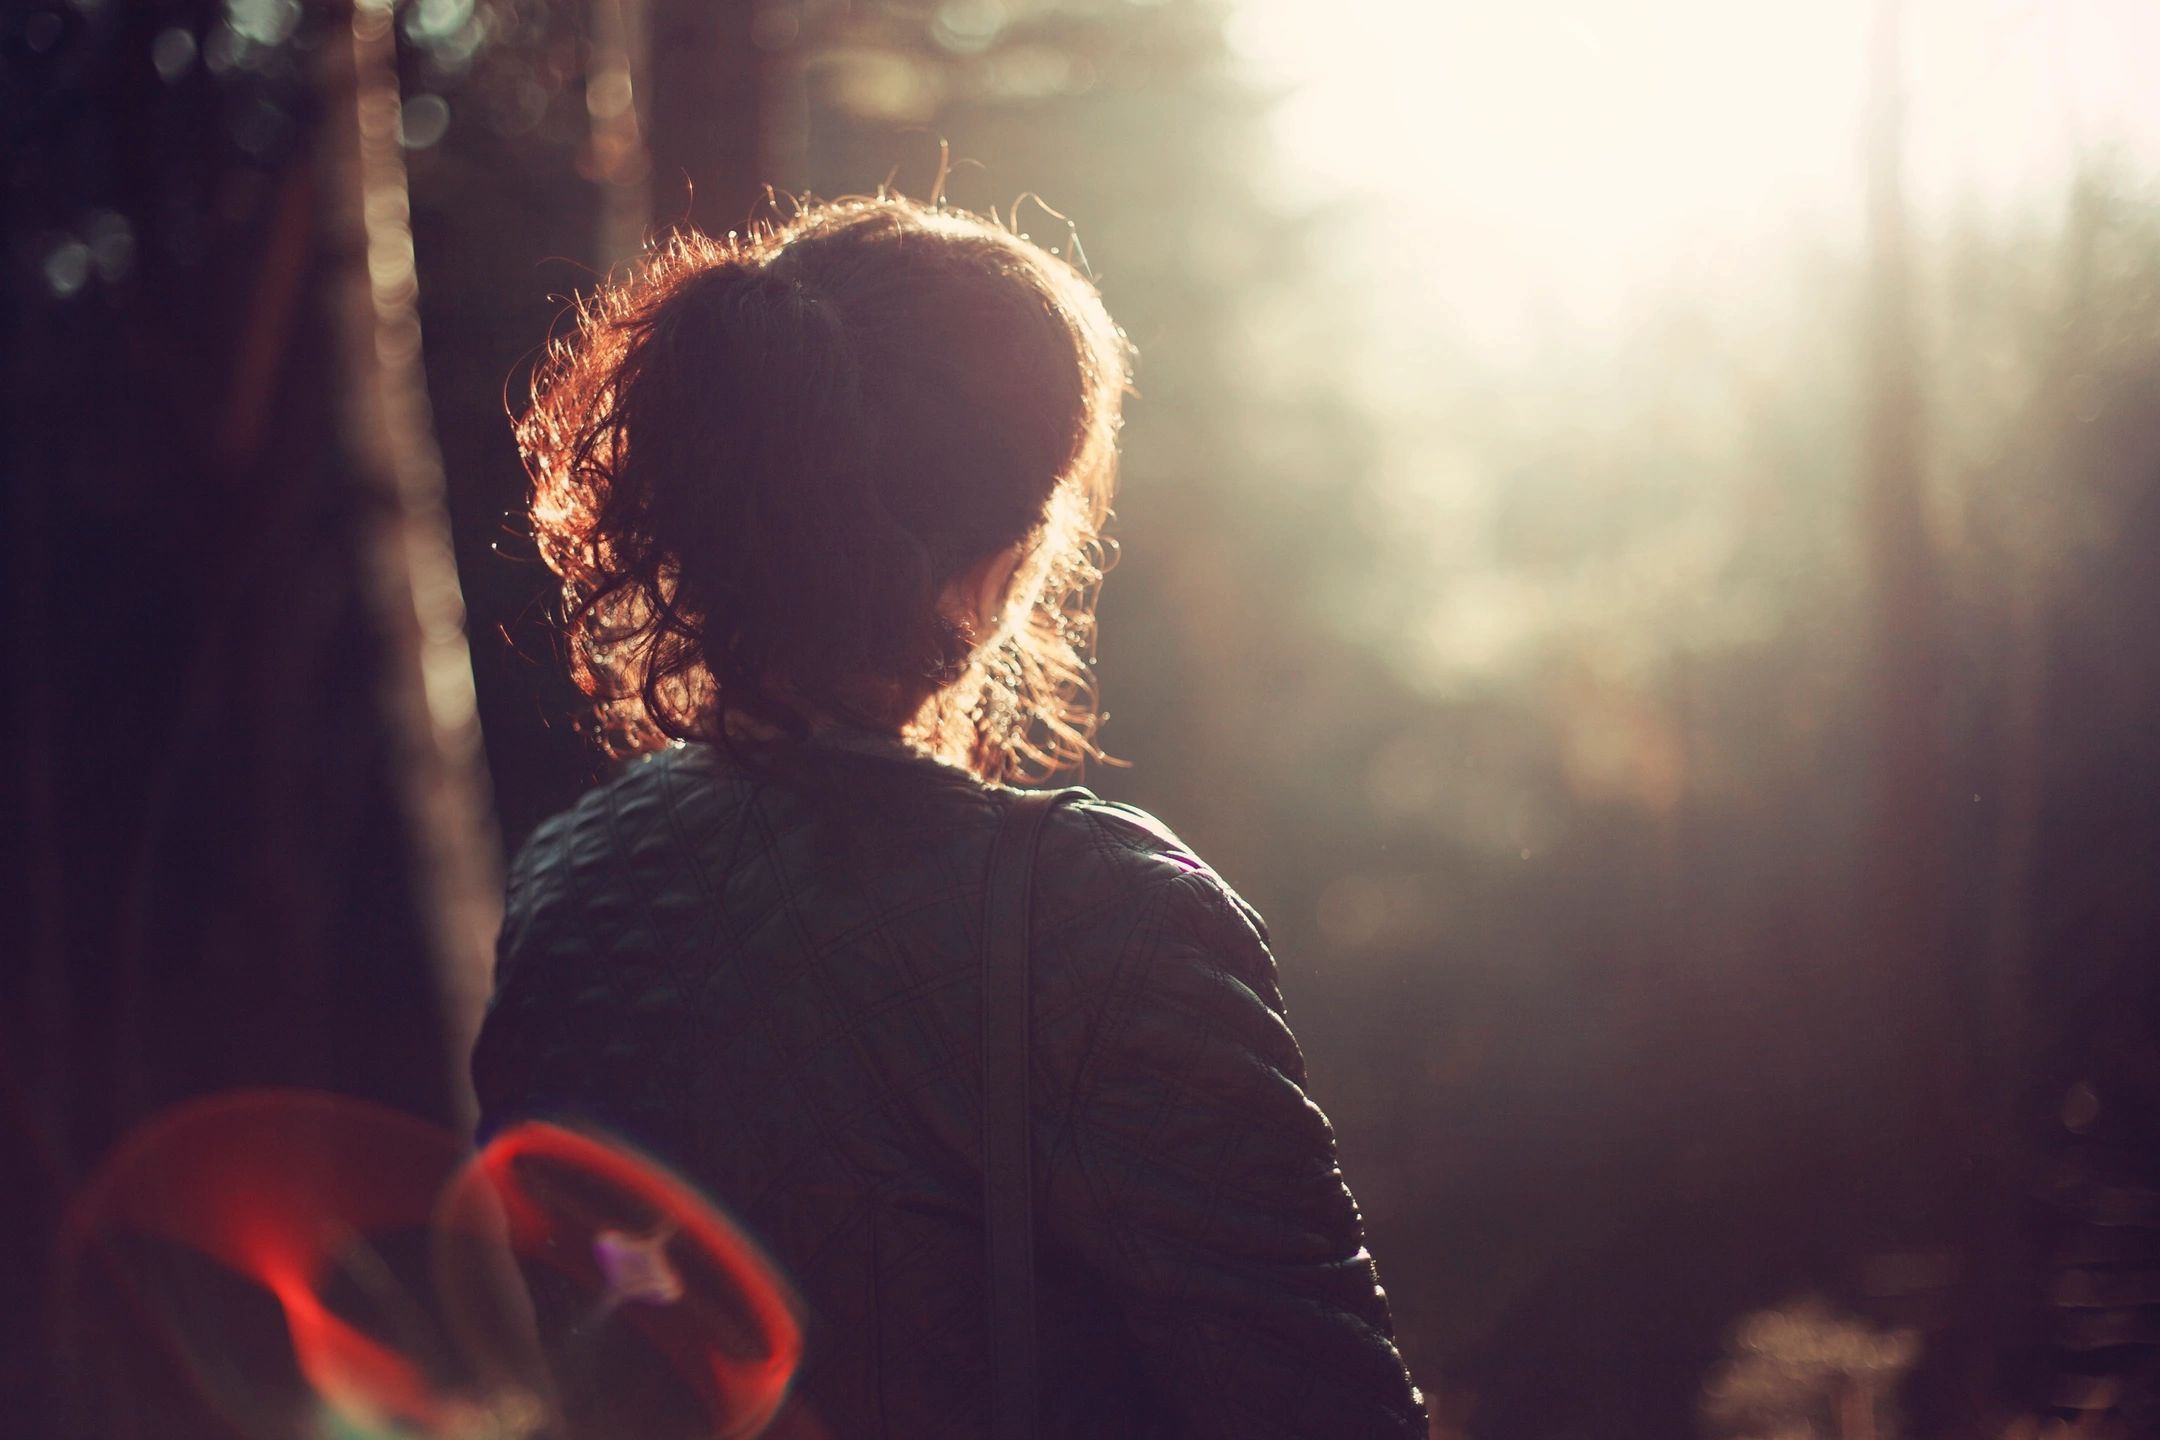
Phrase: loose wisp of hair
x=757 y=461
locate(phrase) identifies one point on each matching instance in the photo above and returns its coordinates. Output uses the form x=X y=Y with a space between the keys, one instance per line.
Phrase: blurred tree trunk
x=704 y=112
x=617 y=83
x=509 y=218
x=1949 y=1012
x=2031 y=545
x=235 y=661
x=426 y=681
x=1931 y=1131
x=2078 y=951
x=1909 y=942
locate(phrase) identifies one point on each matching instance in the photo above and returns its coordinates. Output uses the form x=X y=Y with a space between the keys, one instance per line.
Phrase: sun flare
x=1551 y=158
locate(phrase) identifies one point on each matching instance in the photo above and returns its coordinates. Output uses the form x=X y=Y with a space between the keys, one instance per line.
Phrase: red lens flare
x=625 y=1243
x=278 y=1187
x=557 y=1283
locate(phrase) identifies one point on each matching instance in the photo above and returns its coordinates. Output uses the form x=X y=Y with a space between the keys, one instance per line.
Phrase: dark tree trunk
x=703 y=112
x=228 y=796
x=1959 y=1160
x=1909 y=881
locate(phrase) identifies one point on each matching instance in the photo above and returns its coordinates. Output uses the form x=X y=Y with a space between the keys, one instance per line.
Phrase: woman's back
x=828 y=499
x=772 y=981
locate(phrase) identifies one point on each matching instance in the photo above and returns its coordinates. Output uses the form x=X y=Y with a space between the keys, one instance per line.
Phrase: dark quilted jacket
x=772 y=982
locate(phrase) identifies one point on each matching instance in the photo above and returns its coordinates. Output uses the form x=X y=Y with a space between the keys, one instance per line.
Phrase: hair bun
x=756 y=464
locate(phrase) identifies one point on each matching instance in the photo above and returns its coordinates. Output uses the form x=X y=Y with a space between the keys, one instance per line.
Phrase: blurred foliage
x=1802 y=1372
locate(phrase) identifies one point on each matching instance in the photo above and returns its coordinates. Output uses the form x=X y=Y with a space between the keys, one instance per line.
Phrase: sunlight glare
x=1546 y=162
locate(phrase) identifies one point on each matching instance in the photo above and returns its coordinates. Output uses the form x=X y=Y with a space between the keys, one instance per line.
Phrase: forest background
x=1696 y=740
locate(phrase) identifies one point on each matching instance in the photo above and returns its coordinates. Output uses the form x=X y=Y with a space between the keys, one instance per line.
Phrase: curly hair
x=758 y=461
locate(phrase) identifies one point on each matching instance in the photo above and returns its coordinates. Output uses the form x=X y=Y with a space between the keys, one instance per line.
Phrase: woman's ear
x=976 y=599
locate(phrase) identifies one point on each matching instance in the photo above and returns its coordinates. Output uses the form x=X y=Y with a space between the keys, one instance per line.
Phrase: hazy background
x=1637 y=531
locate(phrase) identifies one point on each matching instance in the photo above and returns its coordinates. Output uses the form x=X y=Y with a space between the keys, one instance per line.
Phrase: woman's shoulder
x=1090 y=832
x=1106 y=851
x=1129 y=919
